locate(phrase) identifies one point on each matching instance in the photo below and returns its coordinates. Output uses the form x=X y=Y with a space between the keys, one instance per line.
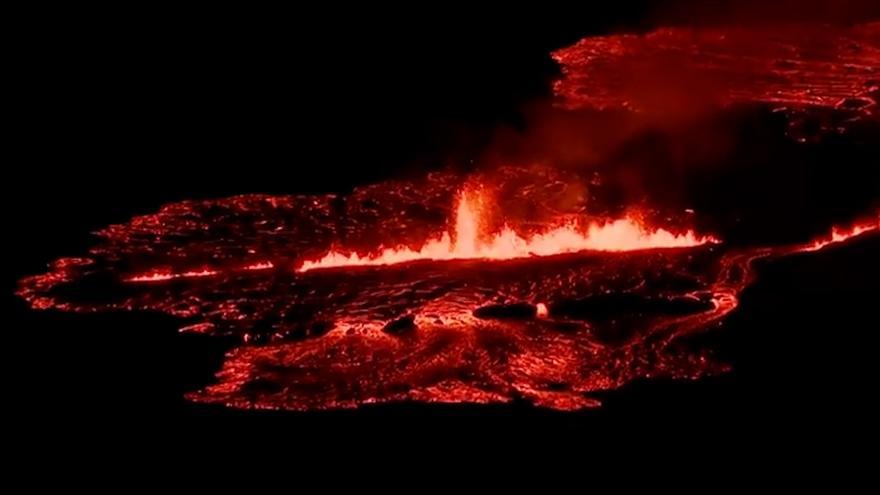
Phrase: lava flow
x=620 y=235
x=841 y=234
x=530 y=302
x=784 y=66
x=547 y=329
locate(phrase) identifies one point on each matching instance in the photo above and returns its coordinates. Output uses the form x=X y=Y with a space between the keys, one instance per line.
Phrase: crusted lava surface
x=548 y=329
x=829 y=71
x=453 y=331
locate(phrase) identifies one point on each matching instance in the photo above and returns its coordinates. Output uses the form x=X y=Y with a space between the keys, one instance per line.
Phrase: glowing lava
x=165 y=275
x=625 y=234
x=541 y=310
x=550 y=331
x=840 y=234
x=798 y=66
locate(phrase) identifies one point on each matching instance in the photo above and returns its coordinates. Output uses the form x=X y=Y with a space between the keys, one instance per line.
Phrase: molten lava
x=536 y=324
x=164 y=275
x=466 y=243
x=547 y=329
x=841 y=234
x=783 y=66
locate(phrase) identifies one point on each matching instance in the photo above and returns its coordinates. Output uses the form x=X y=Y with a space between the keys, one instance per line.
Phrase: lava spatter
x=468 y=241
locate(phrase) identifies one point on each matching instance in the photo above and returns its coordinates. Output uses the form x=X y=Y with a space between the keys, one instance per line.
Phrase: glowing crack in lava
x=621 y=235
x=165 y=274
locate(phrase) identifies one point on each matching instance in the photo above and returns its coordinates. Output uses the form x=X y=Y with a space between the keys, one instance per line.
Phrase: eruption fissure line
x=164 y=275
x=625 y=234
x=621 y=235
x=841 y=234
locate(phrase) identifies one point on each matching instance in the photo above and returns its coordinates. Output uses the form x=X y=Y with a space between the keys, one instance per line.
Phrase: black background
x=119 y=111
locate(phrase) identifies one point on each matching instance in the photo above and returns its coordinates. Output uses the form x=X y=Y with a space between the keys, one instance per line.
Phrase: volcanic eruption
x=518 y=283
x=620 y=235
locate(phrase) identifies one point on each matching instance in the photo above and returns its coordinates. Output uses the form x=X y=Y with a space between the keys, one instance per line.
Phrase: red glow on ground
x=625 y=234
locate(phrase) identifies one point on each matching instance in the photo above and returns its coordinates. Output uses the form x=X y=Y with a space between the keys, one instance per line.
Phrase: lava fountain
x=625 y=234
x=842 y=234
